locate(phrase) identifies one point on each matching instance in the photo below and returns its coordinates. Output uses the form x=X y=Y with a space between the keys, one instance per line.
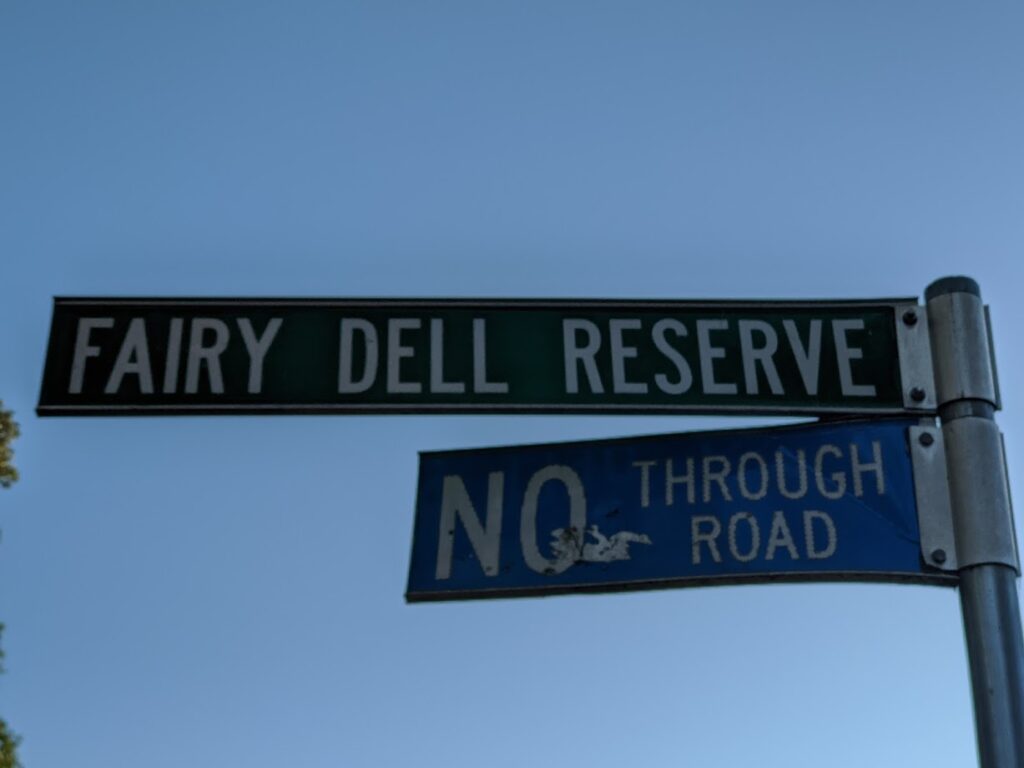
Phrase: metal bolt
x=910 y=317
x=939 y=556
x=926 y=439
x=917 y=394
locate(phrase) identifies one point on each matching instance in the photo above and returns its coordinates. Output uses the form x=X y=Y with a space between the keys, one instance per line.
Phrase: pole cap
x=955 y=284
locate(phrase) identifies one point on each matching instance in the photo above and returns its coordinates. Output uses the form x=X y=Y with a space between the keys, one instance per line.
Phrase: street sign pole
x=967 y=396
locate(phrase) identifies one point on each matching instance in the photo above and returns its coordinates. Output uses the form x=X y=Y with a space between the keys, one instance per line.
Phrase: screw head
x=917 y=394
x=926 y=439
x=939 y=556
x=910 y=317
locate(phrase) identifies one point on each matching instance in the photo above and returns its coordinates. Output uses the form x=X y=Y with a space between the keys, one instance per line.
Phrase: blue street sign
x=822 y=501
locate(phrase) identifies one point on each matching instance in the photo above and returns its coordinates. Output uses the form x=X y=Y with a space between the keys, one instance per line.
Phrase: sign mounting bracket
x=931 y=487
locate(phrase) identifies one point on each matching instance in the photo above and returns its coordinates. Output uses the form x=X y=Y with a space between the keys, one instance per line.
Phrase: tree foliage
x=8 y=747
x=8 y=740
x=8 y=431
x=8 y=475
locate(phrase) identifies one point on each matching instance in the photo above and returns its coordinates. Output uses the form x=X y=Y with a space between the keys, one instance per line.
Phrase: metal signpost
x=243 y=356
x=968 y=396
x=894 y=498
x=824 y=501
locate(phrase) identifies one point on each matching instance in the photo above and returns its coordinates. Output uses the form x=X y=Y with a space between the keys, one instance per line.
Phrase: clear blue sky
x=228 y=591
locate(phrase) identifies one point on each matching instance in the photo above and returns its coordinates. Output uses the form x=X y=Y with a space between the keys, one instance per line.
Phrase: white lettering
x=808 y=360
x=346 y=383
x=672 y=480
x=845 y=353
x=753 y=355
x=84 y=350
x=133 y=357
x=173 y=359
x=645 y=481
x=397 y=352
x=437 y=382
x=528 y=519
x=480 y=383
x=485 y=539
x=198 y=354
x=708 y=354
x=620 y=353
x=755 y=536
x=257 y=349
x=585 y=354
x=682 y=367
x=838 y=478
x=780 y=536
x=742 y=472
x=813 y=552
x=780 y=474
x=707 y=537
x=875 y=466
x=718 y=476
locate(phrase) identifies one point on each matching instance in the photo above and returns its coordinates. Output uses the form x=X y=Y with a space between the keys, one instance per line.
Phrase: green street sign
x=114 y=356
